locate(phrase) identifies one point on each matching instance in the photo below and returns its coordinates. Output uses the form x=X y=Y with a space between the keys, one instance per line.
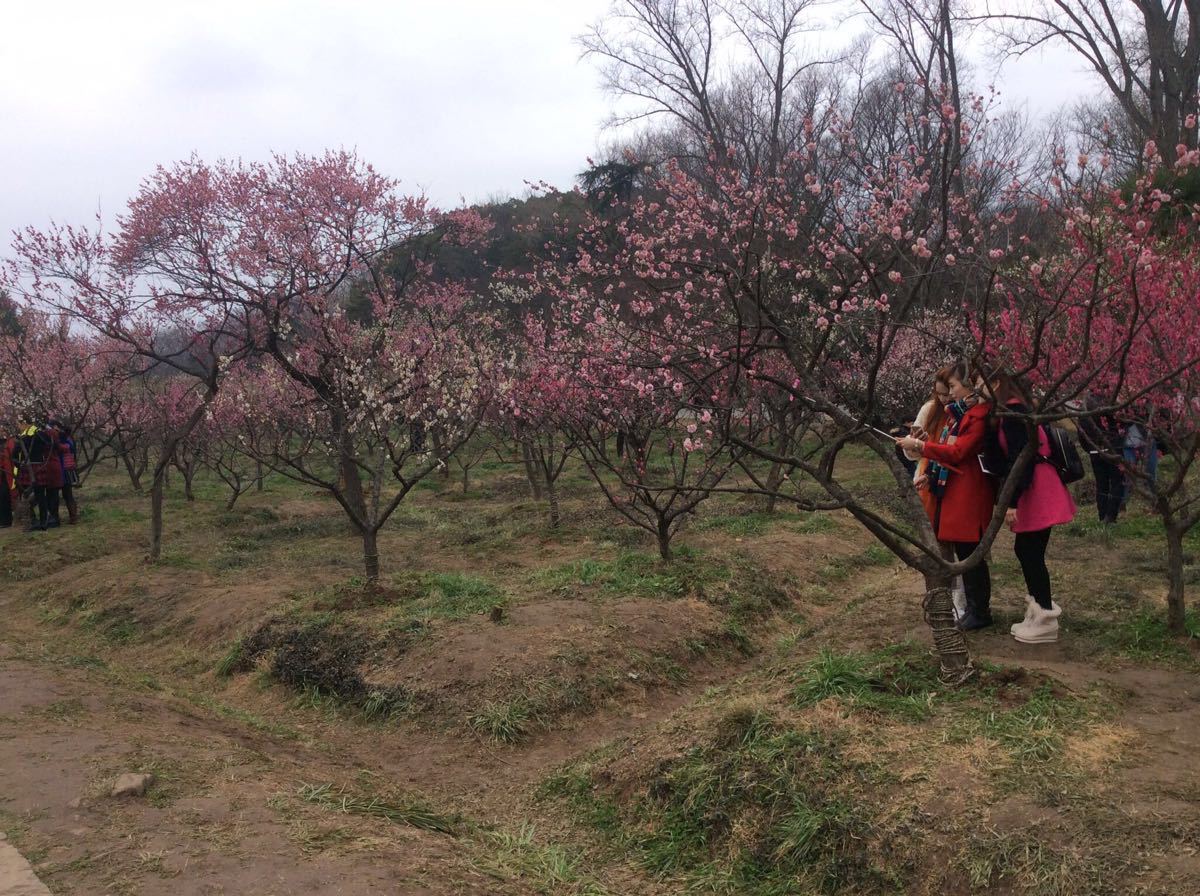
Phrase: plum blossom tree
x=216 y=263
x=103 y=284
x=375 y=409
x=75 y=379
x=219 y=444
x=667 y=458
x=932 y=339
x=1114 y=315
x=538 y=406
x=711 y=281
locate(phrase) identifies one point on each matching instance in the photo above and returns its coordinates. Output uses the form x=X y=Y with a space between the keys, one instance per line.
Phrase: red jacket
x=35 y=455
x=50 y=472
x=7 y=480
x=965 y=509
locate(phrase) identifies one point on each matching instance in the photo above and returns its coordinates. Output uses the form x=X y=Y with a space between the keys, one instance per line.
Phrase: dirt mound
x=541 y=638
x=539 y=660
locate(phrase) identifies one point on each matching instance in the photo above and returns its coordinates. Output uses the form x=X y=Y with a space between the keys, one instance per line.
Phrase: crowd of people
x=38 y=477
x=961 y=447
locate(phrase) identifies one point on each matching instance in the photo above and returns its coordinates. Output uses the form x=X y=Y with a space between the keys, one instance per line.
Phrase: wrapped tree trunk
x=949 y=643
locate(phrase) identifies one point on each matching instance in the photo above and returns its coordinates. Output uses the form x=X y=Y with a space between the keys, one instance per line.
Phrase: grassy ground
x=520 y=709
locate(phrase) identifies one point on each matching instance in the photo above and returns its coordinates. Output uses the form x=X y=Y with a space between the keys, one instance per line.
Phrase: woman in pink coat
x=1040 y=502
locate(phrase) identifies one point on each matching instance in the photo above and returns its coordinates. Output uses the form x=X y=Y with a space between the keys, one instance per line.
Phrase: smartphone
x=984 y=466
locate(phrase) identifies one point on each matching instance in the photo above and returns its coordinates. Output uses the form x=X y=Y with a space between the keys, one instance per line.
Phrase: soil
x=227 y=813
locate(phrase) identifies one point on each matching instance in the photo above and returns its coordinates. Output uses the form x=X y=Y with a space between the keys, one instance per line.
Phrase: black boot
x=971 y=621
x=978 y=615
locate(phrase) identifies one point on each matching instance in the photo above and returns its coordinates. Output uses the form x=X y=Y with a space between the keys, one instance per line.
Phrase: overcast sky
x=468 y=98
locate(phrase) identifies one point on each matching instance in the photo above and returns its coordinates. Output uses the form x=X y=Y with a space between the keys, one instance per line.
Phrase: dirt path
x=220 y=819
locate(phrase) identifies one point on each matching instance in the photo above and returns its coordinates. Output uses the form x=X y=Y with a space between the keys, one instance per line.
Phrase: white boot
x=1040 y=627
x=959 y=595
x=1030 y=603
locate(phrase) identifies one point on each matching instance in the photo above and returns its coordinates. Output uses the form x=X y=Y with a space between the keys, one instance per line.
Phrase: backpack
x=1064 y=455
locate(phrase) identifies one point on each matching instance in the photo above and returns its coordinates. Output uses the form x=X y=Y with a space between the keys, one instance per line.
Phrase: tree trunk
x=258 y=479
x=535 y=486
x=466 y=482
x=950 y=644
x=774 y=480
x=351 y=484
x=664 y=539
x=783 y=447
x=188 y=474
x=135 y=475
x=1176 y=607
x=371 y=555
x=156 y=514
x=552 y=498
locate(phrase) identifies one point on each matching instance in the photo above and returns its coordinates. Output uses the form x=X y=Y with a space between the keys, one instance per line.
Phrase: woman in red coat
x=49 y=475
x=8 y=483
x=963 y=494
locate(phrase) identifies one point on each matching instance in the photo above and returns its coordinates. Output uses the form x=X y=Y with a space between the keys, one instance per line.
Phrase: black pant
x=977 y=581
x=6 y=510
x=39 y=508
x=52 y=504
x=1110 y=488
x=1030 y=548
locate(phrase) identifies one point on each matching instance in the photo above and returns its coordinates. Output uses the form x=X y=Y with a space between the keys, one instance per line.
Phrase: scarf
x=939 y=475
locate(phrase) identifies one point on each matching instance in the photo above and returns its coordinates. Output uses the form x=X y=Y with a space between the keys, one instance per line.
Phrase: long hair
x=937 y=419
x=970 y=375
x=1005 y=388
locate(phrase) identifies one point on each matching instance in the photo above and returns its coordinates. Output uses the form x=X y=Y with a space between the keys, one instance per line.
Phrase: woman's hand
x=1010 y=517
x=908 y=443
x=921 y=482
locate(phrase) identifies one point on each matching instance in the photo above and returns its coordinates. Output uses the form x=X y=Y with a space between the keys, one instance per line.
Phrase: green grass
x=232 y=661
x=237 y=714
x=63 y=710
x=455 y=595
x=579 y=685
x=758 y=522
x=546 y=867
x=839 y=569
x=898 y=681
x=742 y=525
x=381 y=705
x=756 y=807
x=550 y=868
x=1022 y=857
x=105 y=511
x=636 y=574
x=116 y=623
x=1032 y=732
x=1027 y=732
x=1143 y=636
x=813 y=523
x=589 y=804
